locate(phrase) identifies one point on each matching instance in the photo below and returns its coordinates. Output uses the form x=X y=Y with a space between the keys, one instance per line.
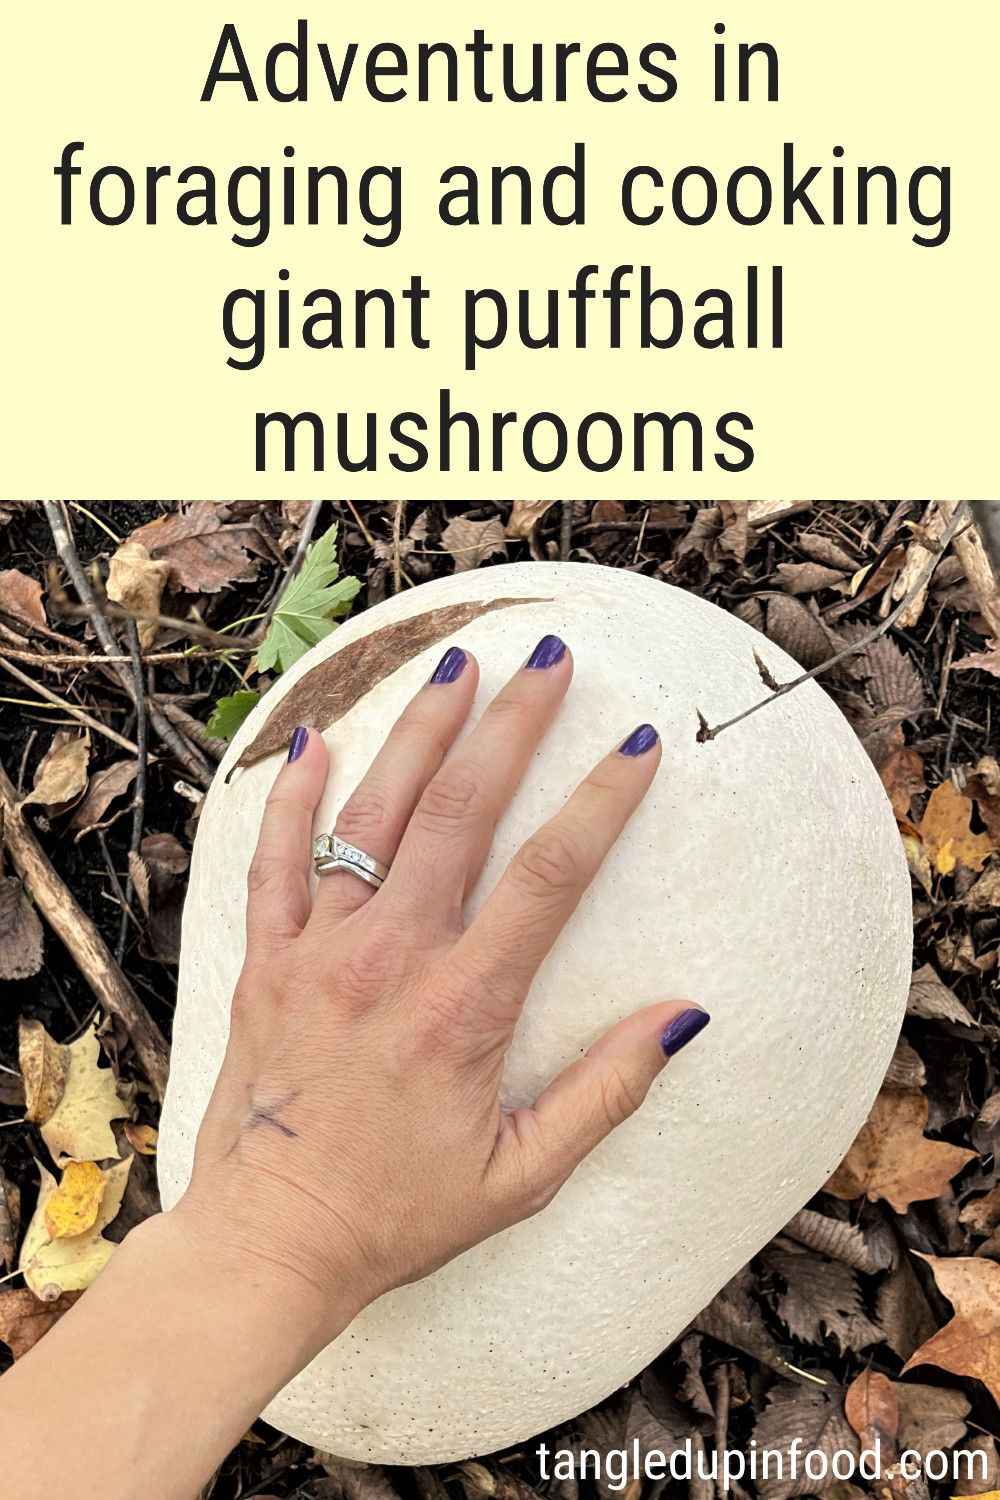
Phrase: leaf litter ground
x=896 y=1264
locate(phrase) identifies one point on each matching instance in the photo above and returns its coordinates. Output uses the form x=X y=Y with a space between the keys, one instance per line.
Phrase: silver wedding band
x=333 y=853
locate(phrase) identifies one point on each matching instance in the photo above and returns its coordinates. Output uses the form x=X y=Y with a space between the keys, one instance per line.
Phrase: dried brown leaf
x=62 y=772
x=21 y=935
x=10 y=1219
x=980 y=661
x=871 y=1407
x=136 y=582
x=982 y=1215
x=840 y=1240
x=970 y=1343
x=807 y=577
x=24 y=1319
x=796 y=630
x=902 y=1309
x=44 y=1067
x=984 y=787
x=822 y=1299
x=157 y=872
x=892 y=683
x=809 y=1419
x=472 y=542
x=932 y=1000
x=984 y=895
x=823 y=549
x=324 y=694
x=734 y=1318
x=525 y=516
x=906 y=1069
x=21 y=598
x=891 y=1158
x=902 y=774
x=930 y=1417
x=105 y=786
x=204 y=553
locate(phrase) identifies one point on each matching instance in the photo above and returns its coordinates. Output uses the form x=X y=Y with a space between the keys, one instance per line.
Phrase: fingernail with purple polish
x=683 y=1029
x=298 y=742
x=550 y=649
x=450 y=667
x=639 y=741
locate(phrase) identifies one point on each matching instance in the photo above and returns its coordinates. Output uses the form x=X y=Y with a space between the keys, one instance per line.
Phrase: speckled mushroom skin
x=762 y=876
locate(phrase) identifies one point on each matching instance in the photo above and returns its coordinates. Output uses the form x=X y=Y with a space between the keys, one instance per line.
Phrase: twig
x=32 y=737
x=565 y=530
x=971 y=554
x=298 y=558
x=139 y=787
x=69 y=708
x=192 y=728
x=397 y=528
x=127 y=912
x=56 y=661
x=194 y=763
x=70 y=922
x=192 y=628
x=721 y=1426
x=706 y=733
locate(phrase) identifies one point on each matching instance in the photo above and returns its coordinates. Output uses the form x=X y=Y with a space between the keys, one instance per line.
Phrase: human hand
x=354 y=1140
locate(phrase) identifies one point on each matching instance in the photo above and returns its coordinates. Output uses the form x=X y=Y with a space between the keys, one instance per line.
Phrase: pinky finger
x=541 y=1145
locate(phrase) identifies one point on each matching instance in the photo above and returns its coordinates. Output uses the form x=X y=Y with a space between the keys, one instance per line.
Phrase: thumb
x=546 y=1141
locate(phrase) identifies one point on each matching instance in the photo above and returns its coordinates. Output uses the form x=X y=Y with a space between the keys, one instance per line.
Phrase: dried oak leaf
x=892 y=1159
x=902 y=774
x=24 y=1319
x=872 y=1409
x=328 y=691
x=21 y=934
x=472 y=542
x=21 y=598
x=822 y=1298
x=72 y=1207
x=136 y=581
x=105 y=786
x=78 y=1125
x=932 y=1000
x=970 y=1343
x=53 y=1266
x=204 y=553
x=62 y=772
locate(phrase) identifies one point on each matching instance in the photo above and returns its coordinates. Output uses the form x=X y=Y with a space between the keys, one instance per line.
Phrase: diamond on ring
x=333 y=853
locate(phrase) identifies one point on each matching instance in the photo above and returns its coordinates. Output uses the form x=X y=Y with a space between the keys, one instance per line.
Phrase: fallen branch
x=707 y=732
x=69 y=708
x=139 y=787
x=72 y=925
x=192 y=761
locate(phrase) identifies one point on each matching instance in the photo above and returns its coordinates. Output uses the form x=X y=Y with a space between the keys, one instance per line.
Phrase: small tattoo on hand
x=269 y=1114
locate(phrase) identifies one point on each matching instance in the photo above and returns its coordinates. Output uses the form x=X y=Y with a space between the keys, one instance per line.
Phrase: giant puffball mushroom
x=762 y=877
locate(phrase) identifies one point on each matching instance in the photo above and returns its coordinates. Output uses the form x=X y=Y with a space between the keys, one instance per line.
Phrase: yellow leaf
x=44 y=1065
x=73 y=1206
x=983 y=1495
x=79 y=1128
x=947 y=834
x=53 y=1266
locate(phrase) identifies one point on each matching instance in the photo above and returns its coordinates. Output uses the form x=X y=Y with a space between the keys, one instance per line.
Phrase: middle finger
x=449 y=835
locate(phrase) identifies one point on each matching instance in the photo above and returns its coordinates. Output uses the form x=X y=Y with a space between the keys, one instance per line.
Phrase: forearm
x=158 y=1371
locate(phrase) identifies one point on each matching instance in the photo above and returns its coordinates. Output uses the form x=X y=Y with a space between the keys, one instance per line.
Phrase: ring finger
x=375 y=815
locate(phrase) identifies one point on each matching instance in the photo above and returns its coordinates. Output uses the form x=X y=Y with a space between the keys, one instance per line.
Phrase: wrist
x=251 y=1294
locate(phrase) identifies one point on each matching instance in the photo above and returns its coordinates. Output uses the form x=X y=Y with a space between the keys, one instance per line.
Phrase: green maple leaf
x=309 y=607
x=229 y=713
